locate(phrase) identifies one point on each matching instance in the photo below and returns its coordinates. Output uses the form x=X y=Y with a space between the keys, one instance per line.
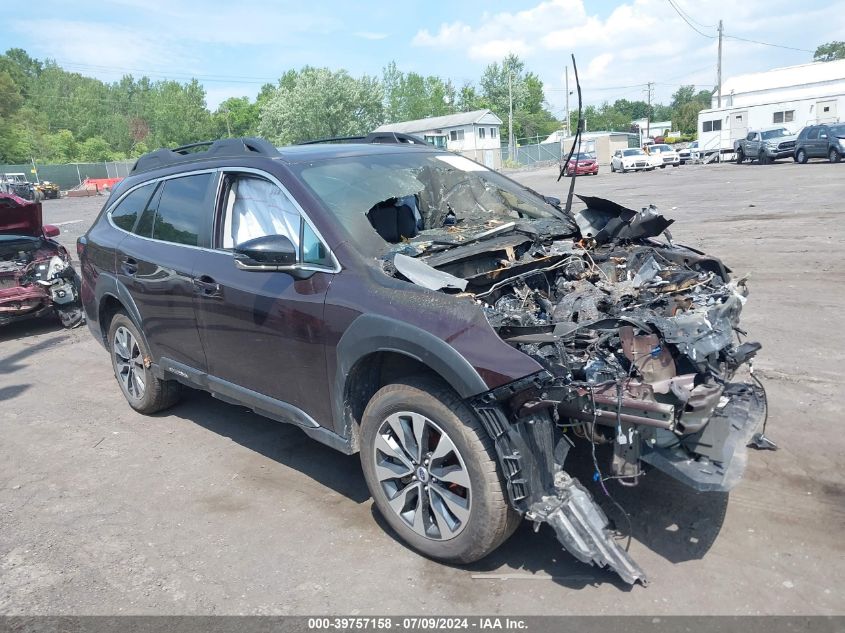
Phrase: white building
x=653 y=128
x=792 y=97
x=474 y=134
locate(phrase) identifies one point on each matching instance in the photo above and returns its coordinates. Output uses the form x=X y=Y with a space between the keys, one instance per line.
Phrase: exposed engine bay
x=642 y=350
x=37 y=278
x=635 y=340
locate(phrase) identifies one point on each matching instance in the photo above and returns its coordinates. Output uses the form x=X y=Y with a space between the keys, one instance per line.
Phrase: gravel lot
x=210 y=509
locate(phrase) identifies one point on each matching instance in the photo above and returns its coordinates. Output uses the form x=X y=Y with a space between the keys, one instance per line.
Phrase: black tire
x=155 y=394
x=833 y=155
x=612 y=168
x=490 y=521
x=801 y=156
x=763 y=158
x=663 y=167
x=740 y=157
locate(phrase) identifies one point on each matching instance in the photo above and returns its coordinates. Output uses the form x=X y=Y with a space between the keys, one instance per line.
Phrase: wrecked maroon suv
x=465 y=334
x=36 y=276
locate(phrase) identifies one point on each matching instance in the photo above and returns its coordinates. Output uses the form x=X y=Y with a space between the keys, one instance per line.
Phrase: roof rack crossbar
x=372 y=137
x=247 y=146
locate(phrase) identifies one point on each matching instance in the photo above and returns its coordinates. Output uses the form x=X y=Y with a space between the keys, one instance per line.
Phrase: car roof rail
x=372 y=137
x=221 y=148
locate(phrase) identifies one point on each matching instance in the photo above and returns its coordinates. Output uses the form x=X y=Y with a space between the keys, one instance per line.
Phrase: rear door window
x=183 y=214
x=126 y=213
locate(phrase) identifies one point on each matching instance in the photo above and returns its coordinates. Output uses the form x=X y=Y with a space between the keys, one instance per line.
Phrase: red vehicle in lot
x=582 y=164
x=36 y=276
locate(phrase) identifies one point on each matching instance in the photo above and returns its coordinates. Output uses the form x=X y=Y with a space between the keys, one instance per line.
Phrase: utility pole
x=568 y=127
x=719 y=65
x=648 y=112
x=511 y=153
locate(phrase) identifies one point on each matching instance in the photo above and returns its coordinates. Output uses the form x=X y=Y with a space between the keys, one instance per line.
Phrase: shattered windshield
x=394 y=197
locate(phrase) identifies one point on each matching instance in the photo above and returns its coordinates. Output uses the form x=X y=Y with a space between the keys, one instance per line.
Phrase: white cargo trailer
x=791 y=97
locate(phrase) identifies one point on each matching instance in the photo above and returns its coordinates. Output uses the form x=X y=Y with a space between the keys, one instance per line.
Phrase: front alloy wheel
x=423 y=475
x=833 y=155
x=432 y=471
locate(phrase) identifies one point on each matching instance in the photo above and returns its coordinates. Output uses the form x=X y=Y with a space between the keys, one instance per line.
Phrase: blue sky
x=234 y=46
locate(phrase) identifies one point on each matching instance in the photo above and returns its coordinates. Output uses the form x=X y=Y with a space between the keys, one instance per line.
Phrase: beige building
x=473 y=134
x=602 y=144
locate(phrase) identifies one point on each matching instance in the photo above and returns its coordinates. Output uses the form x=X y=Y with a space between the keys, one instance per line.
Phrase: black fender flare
x=371 y=333
x=109 y=286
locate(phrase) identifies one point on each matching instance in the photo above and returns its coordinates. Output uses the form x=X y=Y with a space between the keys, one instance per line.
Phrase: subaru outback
x=461 y=332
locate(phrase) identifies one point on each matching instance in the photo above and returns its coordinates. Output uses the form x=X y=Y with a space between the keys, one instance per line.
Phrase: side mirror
x=268 y=250
x=51 y=231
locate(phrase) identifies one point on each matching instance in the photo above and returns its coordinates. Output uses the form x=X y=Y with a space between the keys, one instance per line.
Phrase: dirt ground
x=210 y=509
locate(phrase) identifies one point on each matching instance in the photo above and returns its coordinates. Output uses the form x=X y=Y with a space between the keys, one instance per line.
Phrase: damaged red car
x=36 y=276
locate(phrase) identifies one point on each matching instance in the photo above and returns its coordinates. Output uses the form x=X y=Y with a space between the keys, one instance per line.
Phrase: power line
x=690 y=24
x=789 y=48
x=705 y=26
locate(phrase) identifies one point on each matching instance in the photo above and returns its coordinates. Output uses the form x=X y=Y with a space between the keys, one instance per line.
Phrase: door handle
x=129 y=266
x=207 y=287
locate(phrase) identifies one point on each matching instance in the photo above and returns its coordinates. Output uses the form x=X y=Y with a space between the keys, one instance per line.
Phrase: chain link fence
x=535 y=154
x=71 y=175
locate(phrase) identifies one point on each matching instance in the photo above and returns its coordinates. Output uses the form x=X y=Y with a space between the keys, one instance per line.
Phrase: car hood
x=781 y=139
x=20 y=217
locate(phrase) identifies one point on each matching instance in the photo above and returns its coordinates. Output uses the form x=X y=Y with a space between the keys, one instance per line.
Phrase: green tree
x=235 y=117
x=530 y=112
x=410 y=96
x=60 y=147
x=685 y=106
x=95 y=150
x=317 y=103
x=829 y=51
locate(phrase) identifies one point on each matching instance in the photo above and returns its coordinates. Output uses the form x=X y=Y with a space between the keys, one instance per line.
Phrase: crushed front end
x=642 y=351
x=36 y=274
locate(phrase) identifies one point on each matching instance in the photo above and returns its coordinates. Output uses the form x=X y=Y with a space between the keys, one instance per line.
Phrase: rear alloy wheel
x=432 y=471
x=801 y=157
x=131 y=362
x=833 y=155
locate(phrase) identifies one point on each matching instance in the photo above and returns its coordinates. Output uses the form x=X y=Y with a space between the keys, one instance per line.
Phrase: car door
x=812 y=142
x=752 y=144
x=155 y=262
x=822 y=143
x=262 y=330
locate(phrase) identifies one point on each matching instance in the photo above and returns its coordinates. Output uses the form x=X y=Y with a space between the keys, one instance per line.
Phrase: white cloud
x=639 y=41
x=370 y=35
x=105 y=50
x=597 y=66
x=494 y=50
